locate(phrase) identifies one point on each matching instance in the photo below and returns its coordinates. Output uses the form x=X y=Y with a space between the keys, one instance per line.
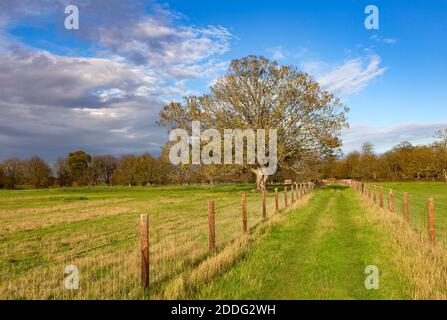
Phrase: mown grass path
x=320 y=252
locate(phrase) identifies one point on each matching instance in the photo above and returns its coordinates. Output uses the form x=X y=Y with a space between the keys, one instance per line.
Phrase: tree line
x=82 y=169
x=403 y=162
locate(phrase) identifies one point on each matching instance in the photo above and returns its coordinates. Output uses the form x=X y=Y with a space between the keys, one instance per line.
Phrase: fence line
x=151 y=252
x=404 y=203
x=308 y=187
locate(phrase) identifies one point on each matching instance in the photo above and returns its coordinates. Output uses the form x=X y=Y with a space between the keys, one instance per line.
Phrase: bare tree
x=38 y=173
x=102 y=168
x=62 y=171
x=13 y=170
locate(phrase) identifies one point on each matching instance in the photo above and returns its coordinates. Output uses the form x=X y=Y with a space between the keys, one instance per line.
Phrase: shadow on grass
x=334 y=187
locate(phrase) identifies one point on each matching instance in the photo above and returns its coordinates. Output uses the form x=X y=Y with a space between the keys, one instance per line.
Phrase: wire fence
x=413 y=207
x=106 y=262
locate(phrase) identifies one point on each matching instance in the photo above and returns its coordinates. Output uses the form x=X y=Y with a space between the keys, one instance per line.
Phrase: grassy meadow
x=418 y=194
x=321 y=252
x=97 y=230
x=316 y=250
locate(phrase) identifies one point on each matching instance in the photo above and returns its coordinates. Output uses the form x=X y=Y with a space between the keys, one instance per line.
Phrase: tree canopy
x=257 y=93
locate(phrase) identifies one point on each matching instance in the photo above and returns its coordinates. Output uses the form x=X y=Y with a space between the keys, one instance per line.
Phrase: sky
x=100 y=88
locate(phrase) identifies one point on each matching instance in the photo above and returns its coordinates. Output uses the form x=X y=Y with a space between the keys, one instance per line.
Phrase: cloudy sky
x=100 y=88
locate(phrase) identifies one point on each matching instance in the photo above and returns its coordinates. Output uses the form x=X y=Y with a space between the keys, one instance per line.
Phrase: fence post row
x=144 y=250
x=366 y=191
x=244 y=212
x=211 y=226
x=431 y=220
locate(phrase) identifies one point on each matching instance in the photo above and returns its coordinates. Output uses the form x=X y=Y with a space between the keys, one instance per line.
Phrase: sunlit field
x=418 y=194
x=97 y=230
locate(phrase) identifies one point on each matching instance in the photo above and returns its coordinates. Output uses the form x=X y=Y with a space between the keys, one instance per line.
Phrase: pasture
x=418 y=194
x=96 y=229
x=316 y=250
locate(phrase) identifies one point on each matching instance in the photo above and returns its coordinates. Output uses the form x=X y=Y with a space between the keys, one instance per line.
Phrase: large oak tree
x=257 y=93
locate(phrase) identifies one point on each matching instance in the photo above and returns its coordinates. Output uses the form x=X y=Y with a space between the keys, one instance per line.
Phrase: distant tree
x=37 y=173
x=126 y=173
x=440 y=150
x=144 y=169
x=164 y=171
x=78 y=162
x=260 y=94
x=369 y=161
x=62 y=171
x=102 y=168
x=441 y=135
x=354 y=165
x=14 y=172
x=2 y=177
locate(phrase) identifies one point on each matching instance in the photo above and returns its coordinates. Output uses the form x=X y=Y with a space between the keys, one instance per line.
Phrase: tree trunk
x=261 y=179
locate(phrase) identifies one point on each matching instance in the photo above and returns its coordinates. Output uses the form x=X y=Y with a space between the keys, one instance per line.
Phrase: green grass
x=320 y=253
x=418 y=193
x=316 y=252
x=42 y=231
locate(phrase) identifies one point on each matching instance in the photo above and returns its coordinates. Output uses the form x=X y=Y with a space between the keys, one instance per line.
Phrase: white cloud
x=384 y=138
x=277 y=53
x=383 y=40
x=51 y=104
x=347 y=78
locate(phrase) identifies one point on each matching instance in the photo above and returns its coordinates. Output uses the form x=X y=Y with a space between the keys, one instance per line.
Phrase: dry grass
x=96 y=229
x=184 y=285
x=422 y=263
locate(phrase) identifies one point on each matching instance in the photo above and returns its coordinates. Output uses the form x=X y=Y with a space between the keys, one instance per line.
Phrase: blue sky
x=100 y=88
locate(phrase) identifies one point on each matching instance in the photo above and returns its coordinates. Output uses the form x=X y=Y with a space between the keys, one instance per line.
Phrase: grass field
x=322 y=250
x=96 y=229
x=315 y=252
x=418 y=194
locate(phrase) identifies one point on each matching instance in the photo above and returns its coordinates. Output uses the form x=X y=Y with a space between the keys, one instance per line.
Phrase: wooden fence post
x=406 y=208
x=381 y=197
x=369 y=191
x=285 y=197
x=431 y=220
x=144 y=250
x=391 y=200
x=244 y=212
x=211 y=226
x=276 y=200
x=264 y=205
x=292 y=193
x=375 y=194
